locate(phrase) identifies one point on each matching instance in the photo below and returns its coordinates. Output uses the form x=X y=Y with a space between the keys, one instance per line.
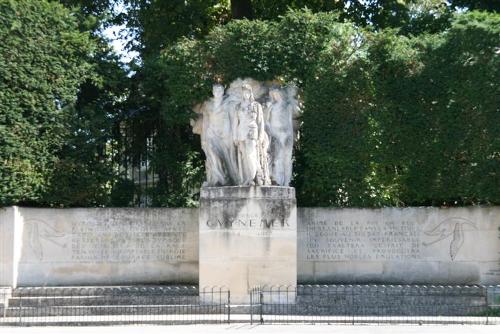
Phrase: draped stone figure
x=244 y=143
x=251 y=140
x=281 y=112
x=215 y=138
x=279 y=121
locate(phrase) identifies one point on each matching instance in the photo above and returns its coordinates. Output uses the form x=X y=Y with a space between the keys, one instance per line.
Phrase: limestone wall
x=10 y=248
x=126 y=246
x=400 y=246
x=108 y=246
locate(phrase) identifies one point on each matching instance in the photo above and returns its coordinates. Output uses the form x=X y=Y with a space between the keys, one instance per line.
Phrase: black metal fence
x=376 y=304
x=329 y=304
x=114 y=305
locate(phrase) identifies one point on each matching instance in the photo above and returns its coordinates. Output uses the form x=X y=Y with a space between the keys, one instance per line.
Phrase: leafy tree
x=388 y=119
x=461 y=102
x=241 y=9
x=412 y=16
x=487 y=5
x=156 y=25
x=86 y=169
x=369 y=86
x=89 y=7
x=174 y=156
x=438 y=116
x=43 y=60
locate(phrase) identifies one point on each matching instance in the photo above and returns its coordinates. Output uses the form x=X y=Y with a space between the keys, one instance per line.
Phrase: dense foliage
x=86 y=172
x=43 y=60
x=399 y=97
x=388 y=119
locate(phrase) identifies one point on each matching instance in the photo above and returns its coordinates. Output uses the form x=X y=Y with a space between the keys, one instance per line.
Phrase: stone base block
x=248 y=238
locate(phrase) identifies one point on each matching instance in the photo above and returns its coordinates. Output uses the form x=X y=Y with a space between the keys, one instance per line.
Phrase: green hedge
x=388 y=119
x=42 y=63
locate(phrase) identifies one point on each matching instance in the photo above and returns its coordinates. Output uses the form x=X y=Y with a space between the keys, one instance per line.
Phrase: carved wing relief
x=450 y=227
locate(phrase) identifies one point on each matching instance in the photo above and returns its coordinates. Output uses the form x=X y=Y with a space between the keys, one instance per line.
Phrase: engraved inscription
x=248 y=223
x=362 y=241
x=111 y=242
x=108 y=238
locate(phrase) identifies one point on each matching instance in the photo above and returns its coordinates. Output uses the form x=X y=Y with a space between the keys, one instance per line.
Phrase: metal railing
x=376 y=304
x=329 y=304
x=114 y=305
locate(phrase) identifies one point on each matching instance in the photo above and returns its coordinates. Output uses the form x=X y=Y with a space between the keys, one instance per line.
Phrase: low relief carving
x=42 y=235
x=247 y=133
x=451 y=227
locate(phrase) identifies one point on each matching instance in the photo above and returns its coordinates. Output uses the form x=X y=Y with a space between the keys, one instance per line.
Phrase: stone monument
x=248 y=214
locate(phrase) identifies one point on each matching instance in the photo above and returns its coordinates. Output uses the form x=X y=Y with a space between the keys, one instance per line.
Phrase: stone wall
x=10 y=246
x=149 y=246
x=399 y=246
x=107 y=246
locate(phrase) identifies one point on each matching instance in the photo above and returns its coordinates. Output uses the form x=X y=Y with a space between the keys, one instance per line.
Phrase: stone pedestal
x=248 y=237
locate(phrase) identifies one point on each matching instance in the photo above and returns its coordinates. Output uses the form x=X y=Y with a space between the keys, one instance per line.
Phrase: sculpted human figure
x=251 y=140
x=279 y=119
x=216 y=138
x=244 y=144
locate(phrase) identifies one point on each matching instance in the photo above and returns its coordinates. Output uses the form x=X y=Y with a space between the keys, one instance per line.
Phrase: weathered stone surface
x=108 y=246
x=247 y=133
x=248 y=237
x=400 y=246
x=381 y=300
x=11 y=230
x=127 y=301
x=134 y=246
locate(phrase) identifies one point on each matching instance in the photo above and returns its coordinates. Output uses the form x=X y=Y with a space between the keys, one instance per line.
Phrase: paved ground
x=281 y=329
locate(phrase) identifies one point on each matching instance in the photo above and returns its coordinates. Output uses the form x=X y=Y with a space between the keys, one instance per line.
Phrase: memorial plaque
x=399 y=246
x=108 y=246
x=248 y=238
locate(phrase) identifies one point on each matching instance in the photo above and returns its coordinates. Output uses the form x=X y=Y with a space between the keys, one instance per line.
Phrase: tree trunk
x=241 y=9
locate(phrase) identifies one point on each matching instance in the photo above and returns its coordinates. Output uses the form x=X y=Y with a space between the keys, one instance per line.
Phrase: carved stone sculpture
x=214 y=129
x=244 y=143
x=251 y=140
x=280 y=128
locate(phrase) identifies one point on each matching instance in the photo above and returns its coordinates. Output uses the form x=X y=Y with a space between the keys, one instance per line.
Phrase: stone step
x=87 y=321
x=104 y=290
x=125 y=310
x=45 y=301
x=375 y=310
x=112 y=300
x=390 y=301
x=152 y=310
x=367 y=291
x=318 y=300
